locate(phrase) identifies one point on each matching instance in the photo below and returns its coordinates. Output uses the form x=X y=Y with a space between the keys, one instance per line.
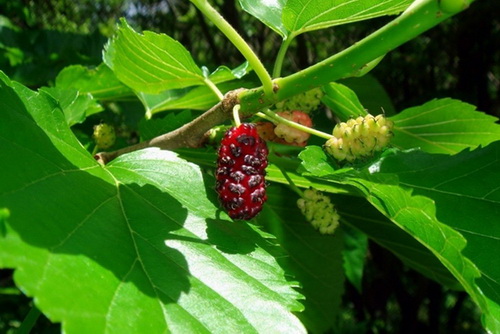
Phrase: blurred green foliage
x=459 y=58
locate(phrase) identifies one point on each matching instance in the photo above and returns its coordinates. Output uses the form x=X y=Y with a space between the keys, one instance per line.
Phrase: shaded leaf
x=268 y=12
x=416 y=215
x=4 y=215
x=431 y=197
x=371 y=94
x=300 y=16
x=444 y=126
x=154 y=127
x=139 y=244
x=150 y=62
x=466 y=190
x=315 y=259
x=354 y=255
x=360 y=215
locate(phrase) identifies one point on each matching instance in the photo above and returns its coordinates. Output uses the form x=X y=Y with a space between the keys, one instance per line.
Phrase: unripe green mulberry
x=319 y=211
x=104 y=136
x=305 y=102
x=359 y=137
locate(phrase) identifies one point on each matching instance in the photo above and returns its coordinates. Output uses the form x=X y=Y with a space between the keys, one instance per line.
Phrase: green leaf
x=371 y=94
x=101 y=82
x=315 y=161
x=76 y=107
x=300 y=16
x=4 y=215
x=150 y=62
x=154 y=103
x=201 y=97
x=444 y=126
x=359 y=214
x=433 y=198
x=224 y=73
x=138 y=244
x=268 y=12
x=354 y=255
x=416 y=215
x=196 y=98
x=465 y=189
x=315 y=259
x=207 y=157
x=154 y=127
x=165 y=171
x=342 y=101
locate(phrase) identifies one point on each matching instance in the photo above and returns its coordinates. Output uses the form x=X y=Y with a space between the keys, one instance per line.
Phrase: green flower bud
x=306 y=102
x=359 y=137
x=319 y=211
x=104 y=136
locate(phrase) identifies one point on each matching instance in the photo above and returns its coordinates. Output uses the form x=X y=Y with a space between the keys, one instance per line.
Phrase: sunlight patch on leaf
x=267 y=11
x=140 y=243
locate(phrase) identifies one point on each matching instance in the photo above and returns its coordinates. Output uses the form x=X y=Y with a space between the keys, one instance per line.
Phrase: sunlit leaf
x=300 y=16
x=342 y=101
x=224 y=73
x=444 y=126
x=150 y=62
x=75 y=106
x=136 y=246
x=267 y=11
x=196 y=98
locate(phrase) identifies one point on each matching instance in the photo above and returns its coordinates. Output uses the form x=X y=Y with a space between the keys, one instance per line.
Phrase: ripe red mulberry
x=240 y=172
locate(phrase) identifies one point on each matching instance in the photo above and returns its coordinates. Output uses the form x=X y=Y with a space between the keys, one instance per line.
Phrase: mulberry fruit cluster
x=359 y=137
x=284 y=134
x=240 y=172
x=104 y=136
x=307 y=102
x=319 y=211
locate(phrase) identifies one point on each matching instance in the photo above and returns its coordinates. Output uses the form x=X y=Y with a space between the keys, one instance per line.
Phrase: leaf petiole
x=238 y=42
x=291 y=184
x=278 y=64
x=214 y=88
x=29 y=321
